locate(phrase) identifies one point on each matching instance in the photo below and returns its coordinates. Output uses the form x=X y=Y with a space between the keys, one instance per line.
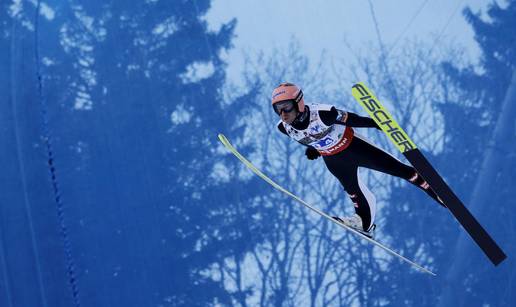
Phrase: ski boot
x=355 y=222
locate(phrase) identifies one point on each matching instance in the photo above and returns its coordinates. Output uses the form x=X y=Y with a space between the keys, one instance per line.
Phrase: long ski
x=255 y=170
x=409 y=149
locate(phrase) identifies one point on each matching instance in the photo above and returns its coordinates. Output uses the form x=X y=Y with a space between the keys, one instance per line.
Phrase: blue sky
x=324 y=25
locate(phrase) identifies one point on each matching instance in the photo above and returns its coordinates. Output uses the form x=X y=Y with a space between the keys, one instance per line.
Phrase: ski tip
x=222 y=138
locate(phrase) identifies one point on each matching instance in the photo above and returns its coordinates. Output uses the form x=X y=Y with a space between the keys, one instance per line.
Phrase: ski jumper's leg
x=375 y=158
x=345 y=169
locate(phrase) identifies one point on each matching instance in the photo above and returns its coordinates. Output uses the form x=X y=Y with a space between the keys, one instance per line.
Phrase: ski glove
x=312 y=153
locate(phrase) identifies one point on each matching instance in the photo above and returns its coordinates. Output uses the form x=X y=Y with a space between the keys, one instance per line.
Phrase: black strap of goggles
x=299 y=96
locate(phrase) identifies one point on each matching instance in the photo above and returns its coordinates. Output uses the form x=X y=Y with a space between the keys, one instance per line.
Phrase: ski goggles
x=286 y=106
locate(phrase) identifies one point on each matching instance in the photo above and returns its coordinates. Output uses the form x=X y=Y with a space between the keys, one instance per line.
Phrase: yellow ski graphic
x=382 y=117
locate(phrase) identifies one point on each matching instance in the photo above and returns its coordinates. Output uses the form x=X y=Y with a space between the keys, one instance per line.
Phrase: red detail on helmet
x=289 y=91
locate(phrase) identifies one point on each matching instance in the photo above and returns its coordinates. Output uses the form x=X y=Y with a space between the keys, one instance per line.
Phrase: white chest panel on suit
x=328 y=140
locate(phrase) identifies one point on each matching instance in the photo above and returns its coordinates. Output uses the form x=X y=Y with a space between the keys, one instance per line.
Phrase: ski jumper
x=329 y=130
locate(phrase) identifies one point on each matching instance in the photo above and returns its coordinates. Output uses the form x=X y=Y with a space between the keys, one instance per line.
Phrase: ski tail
x=408 y=148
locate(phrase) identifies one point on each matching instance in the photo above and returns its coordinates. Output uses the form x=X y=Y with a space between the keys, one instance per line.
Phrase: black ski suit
x=359 y=153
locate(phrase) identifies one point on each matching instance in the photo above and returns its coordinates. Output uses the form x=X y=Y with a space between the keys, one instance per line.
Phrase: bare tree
x=489 y=173
x=411 y=83
x=302 y=258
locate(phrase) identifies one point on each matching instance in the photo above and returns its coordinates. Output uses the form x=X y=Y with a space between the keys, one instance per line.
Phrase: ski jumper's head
x=288 y=102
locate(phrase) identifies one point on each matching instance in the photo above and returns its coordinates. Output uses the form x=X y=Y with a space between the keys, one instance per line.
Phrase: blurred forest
x=116 y=192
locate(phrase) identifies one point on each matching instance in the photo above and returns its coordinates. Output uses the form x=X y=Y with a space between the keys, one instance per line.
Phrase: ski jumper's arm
x=339 y=117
